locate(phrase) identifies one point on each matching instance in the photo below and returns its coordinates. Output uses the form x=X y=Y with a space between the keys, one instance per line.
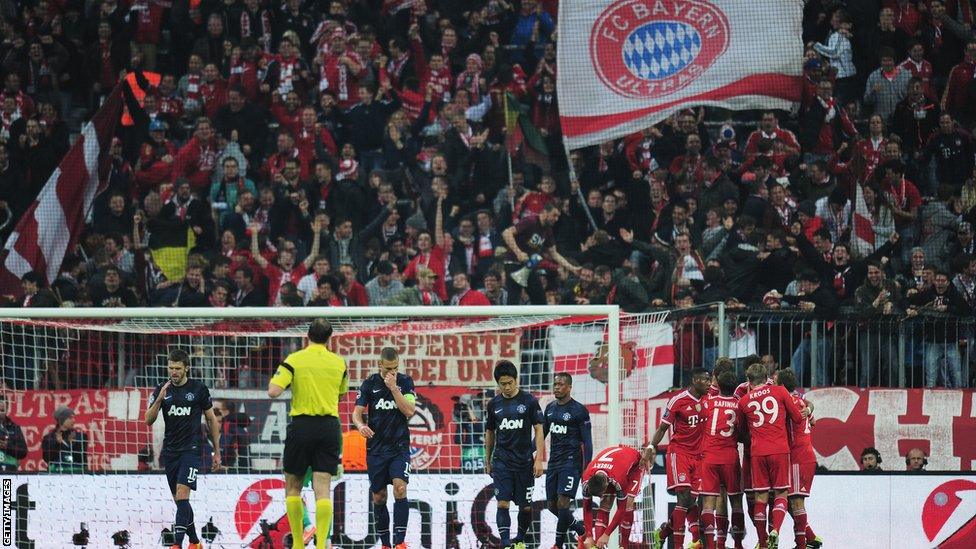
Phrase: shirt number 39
x=765 y=411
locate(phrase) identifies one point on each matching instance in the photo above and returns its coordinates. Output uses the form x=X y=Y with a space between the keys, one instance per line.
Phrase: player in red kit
x=767 y=409
x=803 y=465
x=769 y=364
x=722 y=365
x=614 y=473
x=720 y=471
x=682 y=421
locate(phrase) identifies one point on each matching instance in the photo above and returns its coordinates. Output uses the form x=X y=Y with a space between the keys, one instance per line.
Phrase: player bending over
x=512 y=419
x=183 y=401
x=803 y=465
x=721 y=474
x=682 y=419
x=615 y=473
x=767 y=408
x=388 y=399
x=567 y=422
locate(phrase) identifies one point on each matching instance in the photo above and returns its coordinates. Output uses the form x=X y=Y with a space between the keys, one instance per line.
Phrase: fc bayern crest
x=646 y=49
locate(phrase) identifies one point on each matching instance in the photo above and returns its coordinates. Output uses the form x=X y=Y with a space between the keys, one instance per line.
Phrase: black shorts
x=181 y=468
x=313 y=441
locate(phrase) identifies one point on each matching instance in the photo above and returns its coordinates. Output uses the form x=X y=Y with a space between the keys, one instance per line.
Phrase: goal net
x=104 y=367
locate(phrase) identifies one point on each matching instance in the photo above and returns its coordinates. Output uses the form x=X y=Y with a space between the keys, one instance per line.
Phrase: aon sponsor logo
x=559 y=430
x=511 y=424
x=178 y=411
x=383 y=404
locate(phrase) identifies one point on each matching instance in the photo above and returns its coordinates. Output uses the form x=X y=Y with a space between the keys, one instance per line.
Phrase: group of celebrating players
x=706 y=423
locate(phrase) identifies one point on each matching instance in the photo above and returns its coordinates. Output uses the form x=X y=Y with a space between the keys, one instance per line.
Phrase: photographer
x=64 y=448
x=13 y=445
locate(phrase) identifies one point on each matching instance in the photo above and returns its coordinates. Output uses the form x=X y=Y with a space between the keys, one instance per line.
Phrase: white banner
x=871 y=511
x=627 y=64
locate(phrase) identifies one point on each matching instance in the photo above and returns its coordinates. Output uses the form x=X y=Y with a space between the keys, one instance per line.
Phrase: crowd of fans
x=352 y=153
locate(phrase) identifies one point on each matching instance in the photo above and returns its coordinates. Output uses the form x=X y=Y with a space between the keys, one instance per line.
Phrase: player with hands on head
x=567 y=423
x=513 y=420
x=614 y=474
x=766 y=409
x=389 y=400
x=682 y=421
x=182 y=401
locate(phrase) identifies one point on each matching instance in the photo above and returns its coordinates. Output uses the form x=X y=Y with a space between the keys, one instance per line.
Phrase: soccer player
x=721 y=474
x=183 y=401
x=318 y=378
x=722 y=365
x=803 y=466
x=512 y=419
x=682 y=420
x=567 y=422
x=614 y=474
x=767 y=408
x=389 y=400
x=770 y=365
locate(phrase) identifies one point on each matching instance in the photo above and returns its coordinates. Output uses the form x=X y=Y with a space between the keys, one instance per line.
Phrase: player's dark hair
x=320 y=331
x=727 y=383
x=565 y=377
x=179 y=355
x=700 y=372
x=722 y=364
x=787 y=378
x=756 y=373
x=389 y=354
x=597 y=485
x=505 y=368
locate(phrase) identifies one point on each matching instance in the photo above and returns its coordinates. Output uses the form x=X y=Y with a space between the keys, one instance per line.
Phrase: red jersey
x=801 y=441
x=683 y=415
x=766 y=409
x=719 y=443
x=622 y=466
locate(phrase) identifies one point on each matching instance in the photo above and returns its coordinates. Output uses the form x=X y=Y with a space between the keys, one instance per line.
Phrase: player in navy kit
x=512 y=419
x=389 y=400
x=182 y=402
x=567 y=422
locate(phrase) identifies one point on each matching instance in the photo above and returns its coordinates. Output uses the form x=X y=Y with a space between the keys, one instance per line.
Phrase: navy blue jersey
x=182 y=410
x=568 y=426
x=512 y=420
x=390 y=427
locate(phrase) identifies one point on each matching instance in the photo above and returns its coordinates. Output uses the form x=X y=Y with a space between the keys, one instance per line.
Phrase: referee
x=317 y=378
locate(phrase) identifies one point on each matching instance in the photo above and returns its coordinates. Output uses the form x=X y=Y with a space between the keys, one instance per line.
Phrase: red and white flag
x=57 y=217
x=625 y=65
x=646 y=358
x=862 y=235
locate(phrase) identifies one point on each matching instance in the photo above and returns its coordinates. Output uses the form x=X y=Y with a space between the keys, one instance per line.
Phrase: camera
x=404 y=203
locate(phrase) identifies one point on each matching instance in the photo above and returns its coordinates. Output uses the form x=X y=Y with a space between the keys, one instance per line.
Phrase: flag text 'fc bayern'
x=625 y=65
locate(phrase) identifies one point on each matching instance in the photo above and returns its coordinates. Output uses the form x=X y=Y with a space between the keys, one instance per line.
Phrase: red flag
x=862 y=239
x=55 y=220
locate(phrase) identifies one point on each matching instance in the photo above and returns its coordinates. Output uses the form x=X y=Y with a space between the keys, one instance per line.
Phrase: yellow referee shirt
x=317 y=377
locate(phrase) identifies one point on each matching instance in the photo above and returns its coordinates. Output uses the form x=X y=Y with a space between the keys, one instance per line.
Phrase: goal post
x=104 y=362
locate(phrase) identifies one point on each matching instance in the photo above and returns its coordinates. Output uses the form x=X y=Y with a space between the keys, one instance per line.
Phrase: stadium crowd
x=353 y=152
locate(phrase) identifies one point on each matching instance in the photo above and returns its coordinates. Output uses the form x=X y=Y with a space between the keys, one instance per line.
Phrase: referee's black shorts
x=313 y=441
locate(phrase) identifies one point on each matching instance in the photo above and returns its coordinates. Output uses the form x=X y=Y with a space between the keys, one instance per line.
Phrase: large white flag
x=627 y=64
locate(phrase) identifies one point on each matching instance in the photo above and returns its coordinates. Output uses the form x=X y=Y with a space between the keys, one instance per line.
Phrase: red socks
x=759 y=519
x=693 y=526
x=738 y=528
x=721 y=530
x=708 y=519
x=800 y=528
x=779 y=512
x=625 y=525
x=600 y=524
x=810 y=535
x=678 y=516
